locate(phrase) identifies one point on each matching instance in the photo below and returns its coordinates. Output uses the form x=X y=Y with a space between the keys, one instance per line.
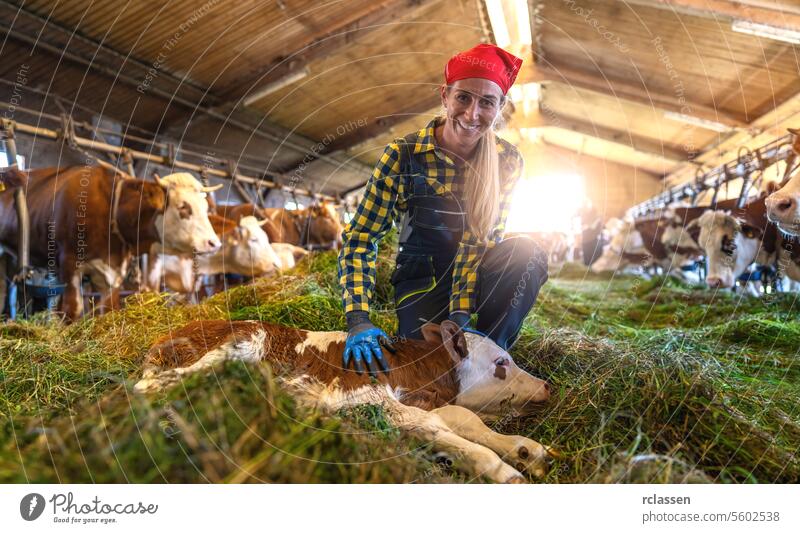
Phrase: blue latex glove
x=364 y=344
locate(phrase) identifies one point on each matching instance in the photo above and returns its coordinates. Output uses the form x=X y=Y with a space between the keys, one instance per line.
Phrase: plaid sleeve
x=471 y=250
x=372 y=220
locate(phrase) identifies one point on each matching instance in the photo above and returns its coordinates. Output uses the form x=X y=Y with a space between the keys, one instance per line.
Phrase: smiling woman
x=452 y=183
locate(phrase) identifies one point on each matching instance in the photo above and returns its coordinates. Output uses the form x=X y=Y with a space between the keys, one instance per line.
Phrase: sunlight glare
x=546 y=203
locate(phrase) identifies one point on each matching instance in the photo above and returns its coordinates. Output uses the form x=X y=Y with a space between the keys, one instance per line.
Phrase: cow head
x=623 y=239
x=325 y=226
x=247 y=249
x=729 y=245
x=782 y=208
x=490 y=383
x=680 y=245
x=184 y=227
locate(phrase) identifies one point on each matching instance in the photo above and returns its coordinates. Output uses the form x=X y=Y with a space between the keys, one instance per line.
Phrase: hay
x=654 y=381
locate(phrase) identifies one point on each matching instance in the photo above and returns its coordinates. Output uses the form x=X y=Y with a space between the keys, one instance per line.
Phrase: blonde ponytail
x=482 y=187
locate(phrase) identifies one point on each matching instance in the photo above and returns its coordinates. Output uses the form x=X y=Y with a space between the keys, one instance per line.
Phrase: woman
x=452 y=183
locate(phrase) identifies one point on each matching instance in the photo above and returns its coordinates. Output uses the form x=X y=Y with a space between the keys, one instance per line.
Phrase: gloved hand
x=460 y=317
x=364 y=342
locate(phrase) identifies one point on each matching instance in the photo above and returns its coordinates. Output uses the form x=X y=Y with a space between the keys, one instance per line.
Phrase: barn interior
x=625 y=106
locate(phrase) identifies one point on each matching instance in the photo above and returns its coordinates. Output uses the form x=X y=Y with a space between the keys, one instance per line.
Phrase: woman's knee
x=529 y=258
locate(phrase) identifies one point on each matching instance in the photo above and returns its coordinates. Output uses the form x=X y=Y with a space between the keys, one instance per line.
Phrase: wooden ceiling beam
x=364 y=130
x=321 y=44
x=644 y=145
x=771 y=14
x=625 y=90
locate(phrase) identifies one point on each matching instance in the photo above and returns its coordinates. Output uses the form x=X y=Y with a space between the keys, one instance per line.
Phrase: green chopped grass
x=654 y=380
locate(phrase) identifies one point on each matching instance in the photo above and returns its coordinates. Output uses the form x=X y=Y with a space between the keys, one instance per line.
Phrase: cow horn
x=160 y=181
x=211 y=188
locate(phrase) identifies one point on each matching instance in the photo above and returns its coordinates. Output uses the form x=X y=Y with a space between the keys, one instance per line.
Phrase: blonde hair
x=482 y=187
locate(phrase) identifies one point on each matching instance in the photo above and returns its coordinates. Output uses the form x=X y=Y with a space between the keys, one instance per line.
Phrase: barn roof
x=315 y=89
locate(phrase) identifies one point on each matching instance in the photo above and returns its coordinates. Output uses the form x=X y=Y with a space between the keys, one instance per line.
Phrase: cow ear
x=751 y=232
x=772 y=186
x=454 y=340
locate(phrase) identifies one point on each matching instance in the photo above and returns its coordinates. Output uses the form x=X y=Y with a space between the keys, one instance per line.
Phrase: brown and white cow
x=782 y=207
x=732 y=241
x=90 y=221
x=245 y=251
x=625 y=250
x=433 y=391
x=317 y=225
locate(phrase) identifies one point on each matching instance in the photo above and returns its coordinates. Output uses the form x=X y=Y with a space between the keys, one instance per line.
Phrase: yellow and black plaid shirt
x=384 y=202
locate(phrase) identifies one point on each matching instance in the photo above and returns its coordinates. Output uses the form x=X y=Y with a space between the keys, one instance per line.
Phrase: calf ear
x=432 y=332
x=454 y=340
x=448 y=335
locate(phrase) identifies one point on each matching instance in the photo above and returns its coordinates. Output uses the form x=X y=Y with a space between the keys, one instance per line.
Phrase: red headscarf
x=485 y=61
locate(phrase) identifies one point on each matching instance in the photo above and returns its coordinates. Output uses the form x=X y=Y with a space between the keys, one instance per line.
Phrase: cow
x=437 y=390
x=245 y=251
x=625 y=250
x=732 y=241
x=782 y=207
x=315 y=226
x=88 y=220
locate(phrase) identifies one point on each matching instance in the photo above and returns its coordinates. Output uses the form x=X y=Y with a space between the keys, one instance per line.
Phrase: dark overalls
x=509 y=274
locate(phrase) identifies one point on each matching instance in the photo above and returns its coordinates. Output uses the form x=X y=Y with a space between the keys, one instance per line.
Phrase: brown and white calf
x=90 y=221
x=437 y=390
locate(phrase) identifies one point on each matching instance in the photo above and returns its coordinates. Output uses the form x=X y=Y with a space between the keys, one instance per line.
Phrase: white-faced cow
x=433 y=391
x=245 y=251
x=90 y=221
x=315 y=226
x=732 y=241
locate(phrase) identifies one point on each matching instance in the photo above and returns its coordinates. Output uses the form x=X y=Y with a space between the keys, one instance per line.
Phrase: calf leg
x=469 y=457
x=525 y=454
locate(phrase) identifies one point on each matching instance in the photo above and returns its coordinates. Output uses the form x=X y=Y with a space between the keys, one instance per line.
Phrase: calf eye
x=501 y=361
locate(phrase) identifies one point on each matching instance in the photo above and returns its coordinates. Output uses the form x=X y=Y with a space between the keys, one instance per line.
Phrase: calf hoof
x=529 y=456
x=516 y=480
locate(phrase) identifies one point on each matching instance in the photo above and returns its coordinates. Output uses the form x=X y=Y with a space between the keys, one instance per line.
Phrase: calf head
x=490 y=383
x=248 y=250
x=183 y=227
x=729 y=245
x=782 y=207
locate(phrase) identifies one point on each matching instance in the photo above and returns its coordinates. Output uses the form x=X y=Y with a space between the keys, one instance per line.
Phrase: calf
x=89 y=221
x=433 y=392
